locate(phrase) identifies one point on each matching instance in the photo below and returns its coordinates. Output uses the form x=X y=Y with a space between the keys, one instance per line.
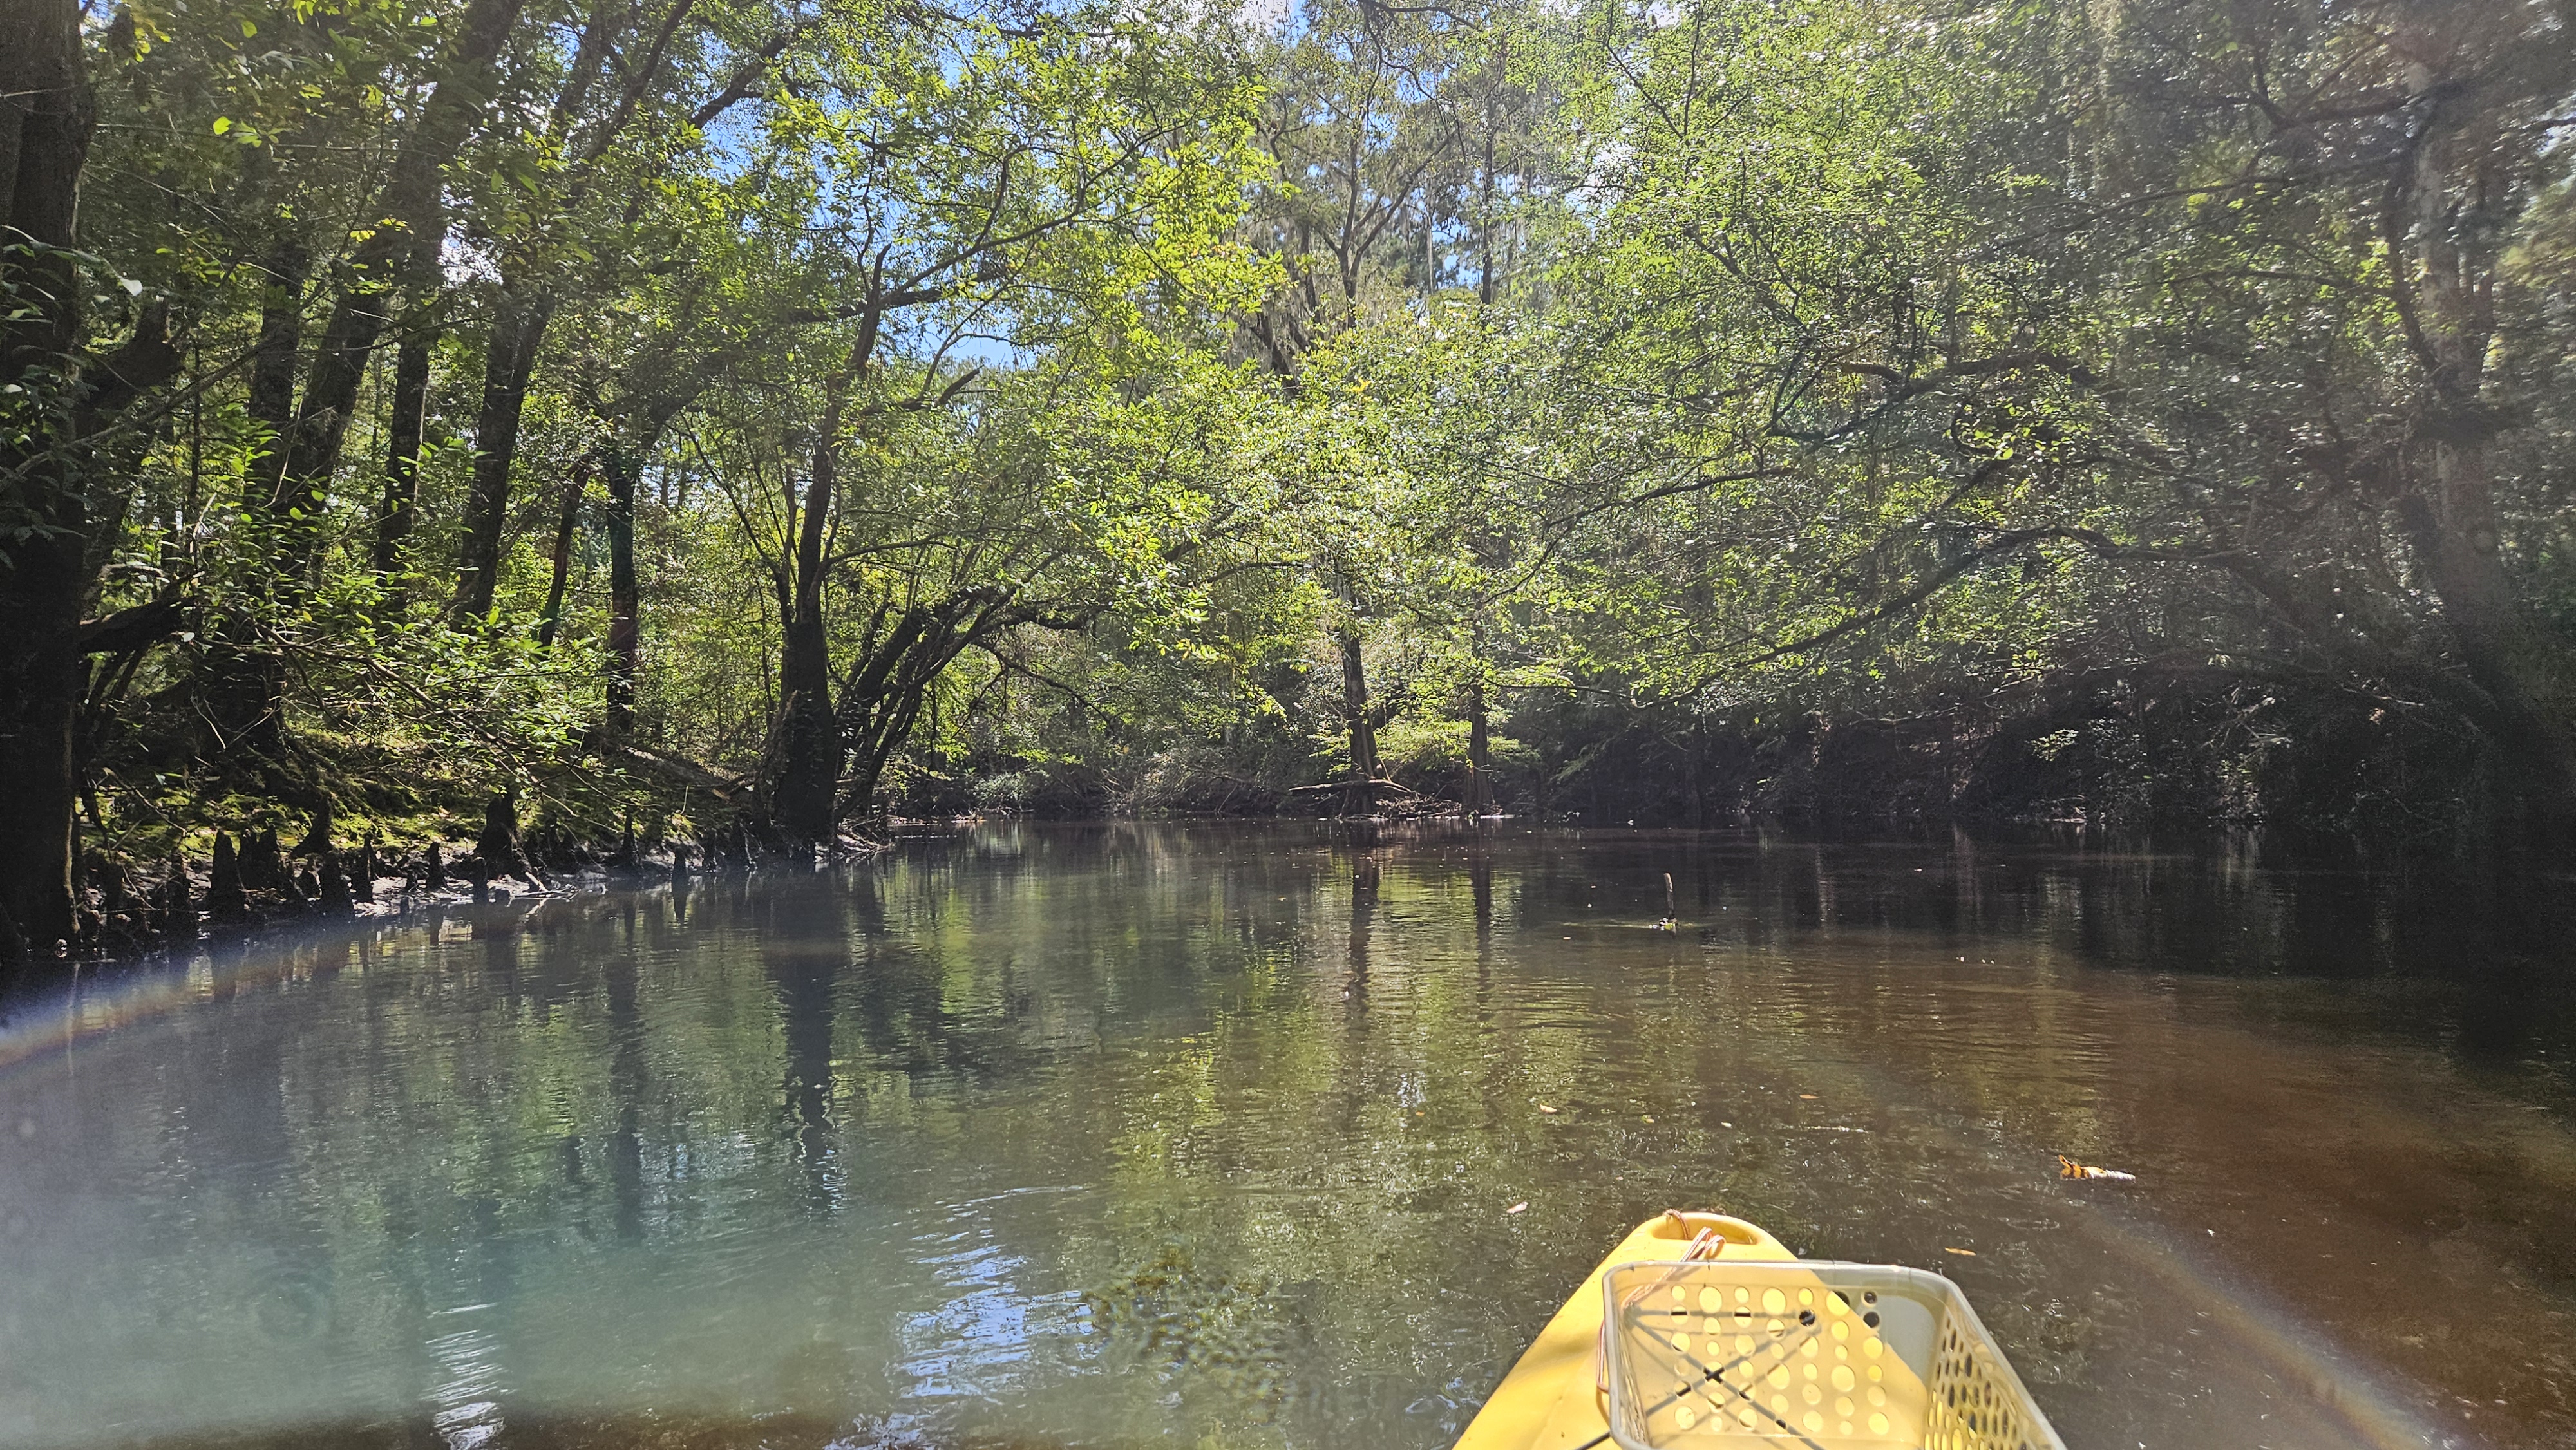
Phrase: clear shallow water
x=1099 y=1136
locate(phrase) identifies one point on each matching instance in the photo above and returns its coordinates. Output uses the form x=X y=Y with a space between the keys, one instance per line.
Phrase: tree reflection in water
x=1097 y=1135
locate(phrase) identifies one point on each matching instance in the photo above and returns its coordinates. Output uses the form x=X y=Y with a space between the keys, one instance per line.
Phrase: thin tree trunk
x=631 y=441
x=1485 y=212
x=873 y=754
x=402 y=457
x=1480 y=762
x=624 y=604
x=880 y=699
x=565 y=524
x=1694 y=769
x=1362 y=795
x=275 y=356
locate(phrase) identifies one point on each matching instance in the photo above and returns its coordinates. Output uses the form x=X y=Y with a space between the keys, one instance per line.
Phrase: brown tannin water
x=1107 y=1136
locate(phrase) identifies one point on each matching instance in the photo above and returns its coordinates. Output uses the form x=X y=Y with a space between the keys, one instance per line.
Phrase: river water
x=1095 y=1136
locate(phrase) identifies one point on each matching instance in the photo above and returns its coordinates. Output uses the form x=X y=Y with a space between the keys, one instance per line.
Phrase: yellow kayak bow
x=1718 y=1336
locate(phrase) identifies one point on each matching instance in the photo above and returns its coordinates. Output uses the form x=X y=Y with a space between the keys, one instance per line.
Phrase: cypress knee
x=261 y=870
x=224 y=899
x=113 y=899
x=336 y=899
x=499 y=843
x=178 y=909
x=317 y=840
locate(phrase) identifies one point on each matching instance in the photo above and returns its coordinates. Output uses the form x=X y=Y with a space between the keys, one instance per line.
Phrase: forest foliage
x=725 y=419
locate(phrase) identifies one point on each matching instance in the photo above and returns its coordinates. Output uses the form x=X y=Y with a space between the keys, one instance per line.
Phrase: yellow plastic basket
x=1826 y=1355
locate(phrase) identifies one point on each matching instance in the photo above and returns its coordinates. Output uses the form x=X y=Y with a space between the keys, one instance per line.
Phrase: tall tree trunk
x=811 y=752
x=1361 y=798
x=624 y=631
x=804 y=804
x=402 y=455
x=1485 y=211
x=45 y=574
x=275 y=356
x=55 y=405
x=1480 y=760
x=2446 y=296
x=810 y=758
x=631 y=441
x=46 y=115
x=509 y=360
x=41 y=680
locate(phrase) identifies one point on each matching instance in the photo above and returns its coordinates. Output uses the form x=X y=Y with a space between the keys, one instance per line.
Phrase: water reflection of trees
x=1292 y=1081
